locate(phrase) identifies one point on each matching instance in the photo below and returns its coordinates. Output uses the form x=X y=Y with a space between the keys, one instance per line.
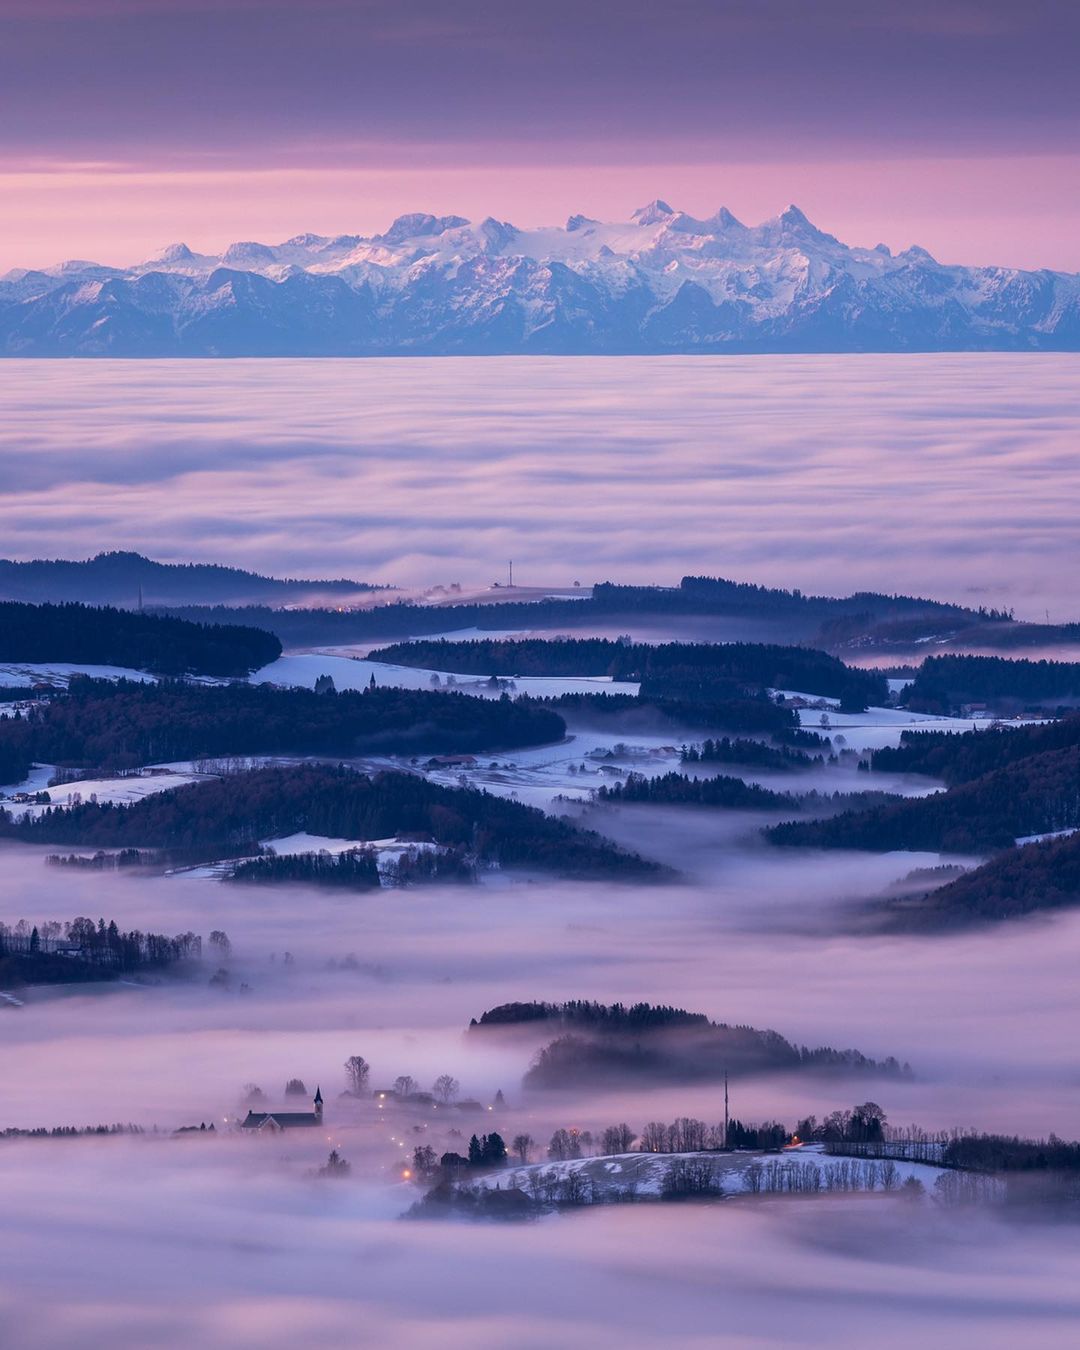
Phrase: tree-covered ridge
x=121 y=578
x=679 y=790
x=357 y=869
x=945 y=683
x=354 y=870
x=958 y=757
x=753 y=665
x=619 y=1042
x=109 y=725
x=750 y=714
x=1042 y=875
x=227 y=817
x=724 y=750
x=117 y=637
x=1035 y=795
x=579 y=1061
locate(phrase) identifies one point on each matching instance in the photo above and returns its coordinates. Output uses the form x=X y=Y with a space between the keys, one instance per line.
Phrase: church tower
x=318 y=1104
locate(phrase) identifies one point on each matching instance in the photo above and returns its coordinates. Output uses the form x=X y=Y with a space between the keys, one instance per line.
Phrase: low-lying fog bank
x=172 y=1244
x=985 y=1021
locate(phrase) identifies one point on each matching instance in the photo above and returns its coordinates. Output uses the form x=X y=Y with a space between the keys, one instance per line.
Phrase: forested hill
x=1035 y=795
x=800 y=617
x=123 y=579
x=945 y=683
x=100 y=724
x=672 y=669
x=1042 y=875
x=227 y=817
x=116 y=637
x=617 y=1042
x=958 y=757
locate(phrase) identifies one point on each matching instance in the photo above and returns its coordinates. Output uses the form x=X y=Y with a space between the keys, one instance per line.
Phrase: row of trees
x=676 y=789
x=51 y=953
x=724 y=750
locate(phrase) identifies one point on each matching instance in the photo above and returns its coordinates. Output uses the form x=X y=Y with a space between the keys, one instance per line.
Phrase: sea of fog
x=949 y=475
x=229 y=1241
x=953 y=476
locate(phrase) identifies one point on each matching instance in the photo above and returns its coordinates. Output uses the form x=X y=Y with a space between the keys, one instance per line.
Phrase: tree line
x=679 y=790
x=120 y=637
x=751 y=713
x=758 y=754
x=357 y=869
x=79 y=951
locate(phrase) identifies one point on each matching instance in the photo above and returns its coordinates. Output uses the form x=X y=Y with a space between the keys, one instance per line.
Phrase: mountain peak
x=174 y=253
x=418 y=224
x=654 y=214
x=248 y=251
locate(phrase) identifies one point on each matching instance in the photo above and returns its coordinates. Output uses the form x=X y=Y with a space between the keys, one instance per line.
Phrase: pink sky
x=130 y=124
x=955 y=207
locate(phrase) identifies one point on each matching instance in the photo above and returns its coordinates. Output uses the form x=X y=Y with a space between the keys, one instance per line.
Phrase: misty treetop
x=119 y=637
x=620 y=1042
x=107 y=725
x=227 y=817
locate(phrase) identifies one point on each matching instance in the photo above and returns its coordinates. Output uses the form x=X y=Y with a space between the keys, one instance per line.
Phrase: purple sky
x=129 y=123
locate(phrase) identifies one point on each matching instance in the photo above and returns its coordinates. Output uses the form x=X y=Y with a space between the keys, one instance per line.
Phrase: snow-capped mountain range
x=661 y=282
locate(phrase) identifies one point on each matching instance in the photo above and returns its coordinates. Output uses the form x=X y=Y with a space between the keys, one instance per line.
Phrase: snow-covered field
x=122 y=791
x=739 y=1173
x=303 y=669
x=24 y=673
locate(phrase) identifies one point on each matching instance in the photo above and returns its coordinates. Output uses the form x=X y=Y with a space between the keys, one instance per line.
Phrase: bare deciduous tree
x=446 y=1088
x=359 y=1070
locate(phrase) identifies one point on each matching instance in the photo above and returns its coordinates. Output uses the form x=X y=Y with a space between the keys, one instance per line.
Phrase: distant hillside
x=1036 y=795
x=72 y=633
x=855 y=619
x=121 y=579
x=1038 y=876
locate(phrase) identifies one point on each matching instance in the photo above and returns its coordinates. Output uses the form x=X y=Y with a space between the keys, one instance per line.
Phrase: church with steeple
x=273 y=1121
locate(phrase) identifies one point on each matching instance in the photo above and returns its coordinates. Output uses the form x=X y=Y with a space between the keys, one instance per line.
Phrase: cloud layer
x=951 y=476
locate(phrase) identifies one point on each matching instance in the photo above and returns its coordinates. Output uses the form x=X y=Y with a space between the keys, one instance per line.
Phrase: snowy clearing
x=302 y=670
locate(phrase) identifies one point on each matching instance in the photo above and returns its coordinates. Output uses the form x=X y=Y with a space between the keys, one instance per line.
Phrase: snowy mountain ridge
x=664 y=281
